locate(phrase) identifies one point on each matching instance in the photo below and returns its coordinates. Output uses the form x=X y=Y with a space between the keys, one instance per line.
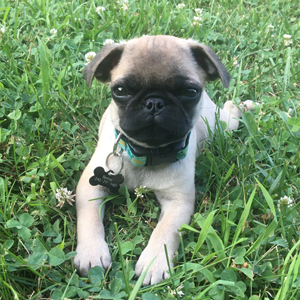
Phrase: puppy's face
x=156 y=85
x=157 y=95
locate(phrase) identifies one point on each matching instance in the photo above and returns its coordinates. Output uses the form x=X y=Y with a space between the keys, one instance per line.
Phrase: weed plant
x=243 y=240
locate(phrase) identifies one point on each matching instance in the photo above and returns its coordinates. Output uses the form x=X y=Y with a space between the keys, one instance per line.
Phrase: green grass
x=239 y=245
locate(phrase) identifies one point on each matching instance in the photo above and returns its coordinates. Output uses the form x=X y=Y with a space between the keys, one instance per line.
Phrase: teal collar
x=141 y=156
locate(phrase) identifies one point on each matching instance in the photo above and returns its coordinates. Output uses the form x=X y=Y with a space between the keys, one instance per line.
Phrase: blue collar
x=141 y=156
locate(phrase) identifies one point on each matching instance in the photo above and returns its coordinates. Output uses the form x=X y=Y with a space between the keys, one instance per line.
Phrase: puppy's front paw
x=159 y=268
x=90 y=255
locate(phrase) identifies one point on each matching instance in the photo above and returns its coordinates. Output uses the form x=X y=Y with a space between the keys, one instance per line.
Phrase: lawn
x=243 y=240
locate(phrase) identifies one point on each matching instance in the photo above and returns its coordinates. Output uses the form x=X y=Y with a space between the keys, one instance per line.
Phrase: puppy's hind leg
x=231 y=113
x=248 y=105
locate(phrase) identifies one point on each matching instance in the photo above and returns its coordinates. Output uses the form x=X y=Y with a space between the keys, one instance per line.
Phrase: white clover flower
x=287 y=39
x=63 y=195
x=198 y=11
x=89 y=56
x=125 y=5
x=173 y=292
x=108 y=42
x=100 y=9
x=138 y=194
x=181 y=5
x=53 y=31
x=288 y=42
x=2 y=30
x=285 y=202
x=270 y=27
x=235 y=62
x=197 y=21
x=180 y=293
x=141 y=191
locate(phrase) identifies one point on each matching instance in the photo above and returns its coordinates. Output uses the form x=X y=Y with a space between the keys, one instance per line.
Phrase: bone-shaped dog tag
x=106 y=179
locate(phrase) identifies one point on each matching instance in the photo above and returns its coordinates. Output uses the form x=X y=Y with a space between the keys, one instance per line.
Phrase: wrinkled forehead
x=156 y=59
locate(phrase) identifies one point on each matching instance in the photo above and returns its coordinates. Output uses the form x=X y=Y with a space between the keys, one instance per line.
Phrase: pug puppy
x=150 y=135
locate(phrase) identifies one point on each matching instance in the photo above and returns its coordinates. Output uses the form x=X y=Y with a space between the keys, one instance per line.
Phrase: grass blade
x=219 y=282
x=270 y=230
x=285 y=280
x=243 y=218
x=252 y=128
x=213 y=238
x=204 y=231
x=268 y=199
x=140 y=282
x=45 y=71
x=122 y=259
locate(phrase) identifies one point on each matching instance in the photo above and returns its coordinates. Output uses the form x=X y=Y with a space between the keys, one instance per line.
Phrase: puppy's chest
x=156 y=178
x=139 y=176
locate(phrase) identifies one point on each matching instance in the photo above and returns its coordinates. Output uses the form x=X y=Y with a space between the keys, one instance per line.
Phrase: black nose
x=154 y=105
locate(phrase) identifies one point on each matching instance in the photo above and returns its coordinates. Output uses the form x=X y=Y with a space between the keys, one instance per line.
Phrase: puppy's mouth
x=154 y=135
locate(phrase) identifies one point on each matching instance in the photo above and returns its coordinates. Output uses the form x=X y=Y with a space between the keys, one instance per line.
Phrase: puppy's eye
x=190 y=93
x=120 y=91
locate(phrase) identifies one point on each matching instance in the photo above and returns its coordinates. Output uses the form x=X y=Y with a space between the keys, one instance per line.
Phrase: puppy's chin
x=154 y=136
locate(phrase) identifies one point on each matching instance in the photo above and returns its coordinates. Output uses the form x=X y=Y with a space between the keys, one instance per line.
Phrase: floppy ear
x=210 y=63
x=104 y=61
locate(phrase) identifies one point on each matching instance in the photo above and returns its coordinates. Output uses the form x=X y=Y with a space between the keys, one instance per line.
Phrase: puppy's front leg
x=177 y=209
x=92 y=250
